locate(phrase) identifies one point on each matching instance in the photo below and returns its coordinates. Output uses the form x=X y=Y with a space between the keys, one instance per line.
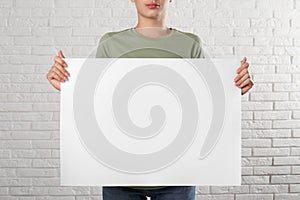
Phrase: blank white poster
x=150 y=122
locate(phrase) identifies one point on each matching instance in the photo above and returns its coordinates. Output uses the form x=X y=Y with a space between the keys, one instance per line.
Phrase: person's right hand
x=58 y=73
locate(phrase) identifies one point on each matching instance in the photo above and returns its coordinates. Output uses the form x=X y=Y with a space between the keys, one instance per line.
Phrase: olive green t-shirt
x=129 y=43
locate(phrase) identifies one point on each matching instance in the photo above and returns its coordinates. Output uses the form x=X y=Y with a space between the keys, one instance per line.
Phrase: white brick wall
x=266 y=31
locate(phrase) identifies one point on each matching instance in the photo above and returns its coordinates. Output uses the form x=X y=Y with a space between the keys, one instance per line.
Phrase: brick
x=32 y=172
x=267 y=96
x=253 y=180
x=286 y=123
x=252 y=13
x=16 y=50
x=257 y=106
x=45 y=107
x=5 y=40
x=30 y=40
x=247 y=171
x=287 y=50
x=288 y=69
x=11 y=31
x=254 y=196
x=229 y=22
x=251 y=49
x=46 y=181
x=295 y=96
x=287 y=196
x=271 y=151
x=289 y=105
x=266 y=170
x=27 y=22
x=229 y=189
x=247 y=115
x=233 y=41
x=271 y=114
x=229 y=4
x=295 y=151
x=295 y=169
x=286 y=142
x=17 y=144
x=270 y=23
x=295 y=78
x=260 y=69
x=35 y=3
x=216 y=197
x=89 y=31
x=274 y=41
x=292 y=160
x=45 y=125
x=69 y=22
x=47 y=144
x=29 y=153
x=48 y=163
x=256 y=161
x=295 y=188
x=15 y=163
x=272 y=133
x=275 y=4
x=269 y=188
x=29 y=191
x=285 y=179
x=262 y=87
x=15 y=181
x=296 y=133
x=15 y=125
x=256 y=143
x=273 y=78
x=256 y=124
x=6 y=4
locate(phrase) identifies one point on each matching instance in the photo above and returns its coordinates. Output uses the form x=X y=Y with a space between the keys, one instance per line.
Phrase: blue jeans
x=167 y=193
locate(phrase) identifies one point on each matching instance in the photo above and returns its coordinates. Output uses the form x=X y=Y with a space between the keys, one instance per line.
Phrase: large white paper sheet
x=150 y=121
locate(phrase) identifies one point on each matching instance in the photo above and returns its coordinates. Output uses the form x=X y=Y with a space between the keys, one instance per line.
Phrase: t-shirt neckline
x=153 y=39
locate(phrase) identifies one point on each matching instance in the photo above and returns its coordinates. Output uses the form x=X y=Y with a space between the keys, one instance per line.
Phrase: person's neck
x=152 y=27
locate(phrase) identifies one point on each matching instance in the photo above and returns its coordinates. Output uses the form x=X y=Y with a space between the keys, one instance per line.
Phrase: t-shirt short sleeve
x=101 y=51
x=198 y=53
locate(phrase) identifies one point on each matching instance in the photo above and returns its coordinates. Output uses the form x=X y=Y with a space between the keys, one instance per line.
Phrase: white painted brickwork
x=267 y=32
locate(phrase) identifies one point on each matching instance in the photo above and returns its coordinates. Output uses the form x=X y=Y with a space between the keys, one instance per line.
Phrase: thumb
x=244 y=60
x=60 y=54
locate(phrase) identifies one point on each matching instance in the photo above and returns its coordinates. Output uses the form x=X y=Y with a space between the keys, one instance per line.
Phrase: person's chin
x=152 y=15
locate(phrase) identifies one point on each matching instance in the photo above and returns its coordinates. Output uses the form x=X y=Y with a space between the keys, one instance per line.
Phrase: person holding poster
x=151 y=28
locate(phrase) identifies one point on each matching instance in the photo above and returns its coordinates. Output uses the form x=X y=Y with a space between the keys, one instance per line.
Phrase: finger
x=60 y=54
x=246 y=76
x=57 y=77
x=244 y=60
x=52 y=75
x=62 y=69
x=60 y=61
x=241 y=74
x=245 y=89
x=59 y=73
x=244 y=65
x=245 y=82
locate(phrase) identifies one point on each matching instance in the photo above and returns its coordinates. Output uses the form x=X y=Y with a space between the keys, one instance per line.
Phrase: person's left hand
x=242 y=80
